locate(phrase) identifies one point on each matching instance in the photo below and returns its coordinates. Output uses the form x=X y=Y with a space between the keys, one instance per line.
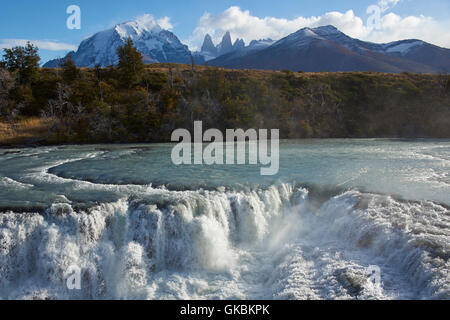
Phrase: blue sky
x=45 y=21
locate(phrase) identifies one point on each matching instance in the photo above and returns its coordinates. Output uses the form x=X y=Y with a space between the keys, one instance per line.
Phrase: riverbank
x=25 y=132
x=93 y=107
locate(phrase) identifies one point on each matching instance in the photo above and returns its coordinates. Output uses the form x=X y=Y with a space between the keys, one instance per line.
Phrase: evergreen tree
x=24 y=60
x=70 y=70
x=131 y=66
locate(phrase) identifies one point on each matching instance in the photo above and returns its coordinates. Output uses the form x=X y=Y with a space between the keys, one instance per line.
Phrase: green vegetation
x=24 y=61
x=130 y=66
x=138 y=103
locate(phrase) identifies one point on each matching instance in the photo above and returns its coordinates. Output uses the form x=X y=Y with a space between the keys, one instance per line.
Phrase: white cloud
x=149 y=21
x=165 y=23
x=44 y=45
x=424 y=28
x=242 y=24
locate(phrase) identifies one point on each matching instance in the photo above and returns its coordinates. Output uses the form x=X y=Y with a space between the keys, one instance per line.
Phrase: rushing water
x=139 y=227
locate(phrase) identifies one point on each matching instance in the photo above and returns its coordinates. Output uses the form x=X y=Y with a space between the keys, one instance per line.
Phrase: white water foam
x=272 y=243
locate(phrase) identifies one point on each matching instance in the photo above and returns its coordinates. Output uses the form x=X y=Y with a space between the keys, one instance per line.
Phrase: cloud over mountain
x=242 y=24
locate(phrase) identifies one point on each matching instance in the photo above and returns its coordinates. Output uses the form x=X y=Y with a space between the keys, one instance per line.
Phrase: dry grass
x=266 y=74
x=24 y=131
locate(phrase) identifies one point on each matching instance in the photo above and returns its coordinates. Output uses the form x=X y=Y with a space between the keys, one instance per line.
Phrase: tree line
x=134 y=102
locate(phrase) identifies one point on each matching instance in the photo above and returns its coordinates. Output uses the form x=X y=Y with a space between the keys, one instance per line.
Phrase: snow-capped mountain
x=226 y=45
x=240 y=50
x=209 y=51
x=155 y=44
x=239 y=44
x=327 y=48
x=401 y=48
x=260 y=44
x=308 y=49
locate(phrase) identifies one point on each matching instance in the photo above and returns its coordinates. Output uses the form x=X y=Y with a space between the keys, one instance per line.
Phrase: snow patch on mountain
x=261 y=44
x=403 y=47
x=138 y=27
